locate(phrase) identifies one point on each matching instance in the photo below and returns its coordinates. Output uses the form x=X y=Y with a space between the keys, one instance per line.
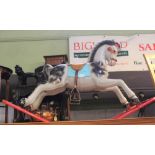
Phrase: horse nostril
x=114 y=51
x=114 y=59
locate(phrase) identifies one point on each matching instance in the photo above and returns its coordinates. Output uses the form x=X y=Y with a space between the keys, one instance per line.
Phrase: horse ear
x=117 y=45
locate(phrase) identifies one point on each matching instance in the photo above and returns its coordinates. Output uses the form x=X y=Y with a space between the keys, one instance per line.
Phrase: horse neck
x=100 y=55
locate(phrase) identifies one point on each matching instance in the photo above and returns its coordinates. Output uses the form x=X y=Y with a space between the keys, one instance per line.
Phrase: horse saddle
x=83 y=70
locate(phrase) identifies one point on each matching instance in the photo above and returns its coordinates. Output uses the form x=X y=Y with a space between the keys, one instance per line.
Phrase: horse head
x=105 y=51
x=111 y=54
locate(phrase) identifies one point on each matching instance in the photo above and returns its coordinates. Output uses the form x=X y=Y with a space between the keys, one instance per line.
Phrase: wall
x=27 y=48
x=29 y=54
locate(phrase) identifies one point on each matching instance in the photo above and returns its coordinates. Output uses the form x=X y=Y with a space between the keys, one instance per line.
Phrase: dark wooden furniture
x=56 y=59
x=5 y=74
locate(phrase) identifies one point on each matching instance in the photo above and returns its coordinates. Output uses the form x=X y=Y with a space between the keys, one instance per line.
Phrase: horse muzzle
x=112 y=62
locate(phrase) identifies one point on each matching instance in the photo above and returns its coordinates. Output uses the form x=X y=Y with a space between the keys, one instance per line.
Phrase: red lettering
x=89 y=45
x=141 y=47
x=154 y=46
x=148 y=47
x=83 y=45
x=77 y=46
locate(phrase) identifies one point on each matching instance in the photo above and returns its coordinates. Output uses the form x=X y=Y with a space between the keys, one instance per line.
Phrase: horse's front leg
x=118 y=93
x=127 y=90
x=108 y=83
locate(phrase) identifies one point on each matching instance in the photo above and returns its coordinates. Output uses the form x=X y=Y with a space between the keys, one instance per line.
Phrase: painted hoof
x=128 y=106
x=135 y=101
x=23 y=104
x=22 y=101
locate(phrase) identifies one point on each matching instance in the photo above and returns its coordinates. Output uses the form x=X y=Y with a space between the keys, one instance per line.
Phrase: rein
x=76 y=79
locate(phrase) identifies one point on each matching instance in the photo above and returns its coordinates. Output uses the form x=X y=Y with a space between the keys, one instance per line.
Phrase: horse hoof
x=23 y=105
x=128 y=106
x=135 y=101
x=22 y=101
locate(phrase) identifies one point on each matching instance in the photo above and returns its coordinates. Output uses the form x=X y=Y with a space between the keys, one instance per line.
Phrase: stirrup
x=75 y=96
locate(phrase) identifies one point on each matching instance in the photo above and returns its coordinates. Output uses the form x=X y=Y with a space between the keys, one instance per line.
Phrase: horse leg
x=106 y=83
x=41 y=91
x=118 y=93
x=128 y=91
x=35 y=105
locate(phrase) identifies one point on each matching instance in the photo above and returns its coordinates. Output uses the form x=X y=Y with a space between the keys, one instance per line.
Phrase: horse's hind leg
x=41 y=91
x=35 y=105
x=118 y=93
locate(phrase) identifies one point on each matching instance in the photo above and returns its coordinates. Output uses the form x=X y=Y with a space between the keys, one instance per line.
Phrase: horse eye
x=110 y=49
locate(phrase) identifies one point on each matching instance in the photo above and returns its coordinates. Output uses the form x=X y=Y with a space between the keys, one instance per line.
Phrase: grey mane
x=105 y=42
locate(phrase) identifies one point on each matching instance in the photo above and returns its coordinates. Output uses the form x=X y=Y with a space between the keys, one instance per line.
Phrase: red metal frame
x=134 y=109
x=119 y=116
x=25 y=111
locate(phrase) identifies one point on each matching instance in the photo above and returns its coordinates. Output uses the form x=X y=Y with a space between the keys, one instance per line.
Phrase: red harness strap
x=76 y=79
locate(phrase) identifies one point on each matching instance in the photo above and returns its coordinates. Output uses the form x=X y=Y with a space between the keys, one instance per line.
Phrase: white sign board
x=130 y=57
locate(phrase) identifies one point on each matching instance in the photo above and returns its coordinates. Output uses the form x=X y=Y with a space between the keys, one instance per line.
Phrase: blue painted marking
x=84 y=72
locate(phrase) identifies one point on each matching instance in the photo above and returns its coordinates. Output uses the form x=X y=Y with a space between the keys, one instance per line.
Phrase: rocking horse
x=92 y=76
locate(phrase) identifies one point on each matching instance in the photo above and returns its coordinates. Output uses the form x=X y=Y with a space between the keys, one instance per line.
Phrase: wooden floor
x=131 y=121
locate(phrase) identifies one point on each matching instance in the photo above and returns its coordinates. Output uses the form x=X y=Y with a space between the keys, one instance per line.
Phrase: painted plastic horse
x=93 y=78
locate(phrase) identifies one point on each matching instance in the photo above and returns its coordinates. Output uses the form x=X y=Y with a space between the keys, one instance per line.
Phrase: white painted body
x=85 y=84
